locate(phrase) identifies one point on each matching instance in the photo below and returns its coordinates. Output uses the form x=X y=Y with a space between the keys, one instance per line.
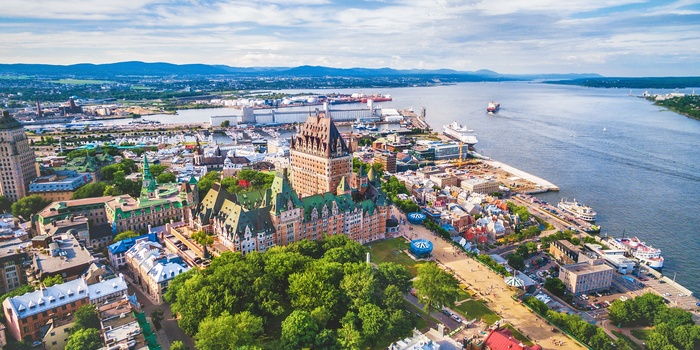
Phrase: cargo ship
x=577 y=209
x=460 y=133
x=646 y=254
x=493 y=107
x=376 y=98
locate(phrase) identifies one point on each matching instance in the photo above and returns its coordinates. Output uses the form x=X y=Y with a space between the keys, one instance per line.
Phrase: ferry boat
x=493 y=107
x=460 y=133
x=577 y=209
x=647 y=254
x=359 y=126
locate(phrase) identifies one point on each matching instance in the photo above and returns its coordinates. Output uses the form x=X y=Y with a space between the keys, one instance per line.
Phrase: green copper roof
x=372 y=176
x=281 y=192
x=192 y=181
x=8 y=122
x=361 y=171
x=343 y=186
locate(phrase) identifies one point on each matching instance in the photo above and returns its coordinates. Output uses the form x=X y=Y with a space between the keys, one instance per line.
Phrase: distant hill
x=136 y=68
x=634 y=83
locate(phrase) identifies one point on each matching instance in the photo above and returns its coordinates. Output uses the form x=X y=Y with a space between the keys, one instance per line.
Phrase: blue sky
x=610 y=37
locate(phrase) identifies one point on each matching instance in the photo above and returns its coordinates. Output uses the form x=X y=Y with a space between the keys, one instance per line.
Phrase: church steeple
x=149 y=185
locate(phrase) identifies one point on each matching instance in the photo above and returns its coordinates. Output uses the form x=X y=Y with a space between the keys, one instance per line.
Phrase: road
x=437 y=314
x=170 y=331
x=479 y=278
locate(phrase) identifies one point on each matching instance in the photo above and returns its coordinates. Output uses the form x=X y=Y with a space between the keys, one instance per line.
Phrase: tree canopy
x=26 y=207
x=330 y=296
x=124 y=235
x=436 y=286
x=84 y=339
x=91 y=190
x=86 y=317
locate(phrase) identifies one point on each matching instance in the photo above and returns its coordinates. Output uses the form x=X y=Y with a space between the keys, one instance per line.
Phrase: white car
x=456 y=318
x=681 y=295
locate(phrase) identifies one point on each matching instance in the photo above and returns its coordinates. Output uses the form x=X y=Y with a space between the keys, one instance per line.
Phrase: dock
x=542 y=184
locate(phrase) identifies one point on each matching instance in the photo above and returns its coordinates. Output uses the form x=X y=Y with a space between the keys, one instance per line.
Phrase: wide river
x=636 y=164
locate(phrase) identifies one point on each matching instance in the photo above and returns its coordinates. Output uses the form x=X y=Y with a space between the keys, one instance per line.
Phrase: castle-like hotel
x=319 y=195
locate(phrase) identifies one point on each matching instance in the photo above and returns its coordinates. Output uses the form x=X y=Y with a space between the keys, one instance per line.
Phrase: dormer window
x=41 y=301
x=52 y=299
x=31 y=305
x=21 y=308
x=70 y=293
x=61 y=296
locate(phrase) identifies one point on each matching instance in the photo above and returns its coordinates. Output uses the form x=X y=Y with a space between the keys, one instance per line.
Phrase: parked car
x=446 y=312
x=456 y=318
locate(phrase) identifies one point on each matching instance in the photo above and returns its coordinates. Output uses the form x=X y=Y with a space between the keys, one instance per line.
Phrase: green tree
x=516 y=260
x=436 y=285
x=374 y=323
x=531 y=247
x=86 y=317
x=157 y=169
x=124 y=235
x=326 y=340
x=5 y=204
x=392 y=298
x=91 y=190
x=555 y=286
x=674 y=317
x=52 y=280
x=203 y=239
x=349 y=337
x=84 y=339
x=359 y=285
x=299 y=330
x=166 y=178
x=178 y=345
x=26 y=207
x=225 y=124
x=389 y=273
x=228 y=331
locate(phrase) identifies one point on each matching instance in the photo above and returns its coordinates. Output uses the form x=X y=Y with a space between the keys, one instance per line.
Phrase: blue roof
x=124 y=245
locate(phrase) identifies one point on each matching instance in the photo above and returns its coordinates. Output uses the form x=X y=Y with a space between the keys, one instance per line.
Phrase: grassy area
x=80 y=81
x=390 y=251
x=641 y=334
x=634 y=345
x=519 y=336
x=463 y=295
x=476 y=309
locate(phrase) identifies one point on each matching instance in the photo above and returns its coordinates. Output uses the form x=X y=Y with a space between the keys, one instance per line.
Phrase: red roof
x=502 y=339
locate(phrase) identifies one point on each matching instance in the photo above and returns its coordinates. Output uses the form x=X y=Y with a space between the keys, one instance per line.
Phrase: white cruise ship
x=460 y=133
x=577 y=209
x=647 y=254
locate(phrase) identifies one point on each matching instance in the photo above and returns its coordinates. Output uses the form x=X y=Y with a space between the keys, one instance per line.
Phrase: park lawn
x=390 y=251
x=463 y=294
x=519 y=335
x=472 y=309
x=641 y=334
x=634 y=345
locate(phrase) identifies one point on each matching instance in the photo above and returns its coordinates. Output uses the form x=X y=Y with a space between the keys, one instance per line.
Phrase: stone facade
x=319 y=157
x=17 y=159
x=258 y=220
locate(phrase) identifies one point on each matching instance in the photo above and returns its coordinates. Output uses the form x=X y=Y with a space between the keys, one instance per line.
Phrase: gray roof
x=107 y=287
x=46 y=299
x=8 y=122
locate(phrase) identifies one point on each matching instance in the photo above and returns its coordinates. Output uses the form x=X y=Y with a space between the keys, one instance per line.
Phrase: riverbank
x=541 y=184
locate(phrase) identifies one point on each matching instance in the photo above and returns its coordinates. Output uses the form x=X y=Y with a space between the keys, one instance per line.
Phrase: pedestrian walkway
x=482 y=280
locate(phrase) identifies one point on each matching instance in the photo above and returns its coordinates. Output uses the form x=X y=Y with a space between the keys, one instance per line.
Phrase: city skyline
x=615 y=38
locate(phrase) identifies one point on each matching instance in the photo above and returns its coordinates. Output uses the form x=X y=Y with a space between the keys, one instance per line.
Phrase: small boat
x=359 y=126
x=493 y=107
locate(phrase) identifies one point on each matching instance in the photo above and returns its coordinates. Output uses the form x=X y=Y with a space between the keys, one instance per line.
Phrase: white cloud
x=505 y=36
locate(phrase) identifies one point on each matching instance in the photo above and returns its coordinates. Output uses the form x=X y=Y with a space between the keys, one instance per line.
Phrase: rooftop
x=48 y=298
x=586 y=267
x=107 y=287
x=71 y=254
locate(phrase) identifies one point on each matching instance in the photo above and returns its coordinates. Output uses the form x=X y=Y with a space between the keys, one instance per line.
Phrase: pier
x=542 y=184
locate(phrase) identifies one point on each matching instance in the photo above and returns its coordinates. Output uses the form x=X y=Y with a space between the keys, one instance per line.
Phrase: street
x=481 y=279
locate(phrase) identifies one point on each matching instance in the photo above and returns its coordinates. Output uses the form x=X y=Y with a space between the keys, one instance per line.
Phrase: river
x=635 y=163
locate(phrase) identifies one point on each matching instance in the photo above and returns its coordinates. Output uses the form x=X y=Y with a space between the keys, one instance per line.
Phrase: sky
x=608 y=37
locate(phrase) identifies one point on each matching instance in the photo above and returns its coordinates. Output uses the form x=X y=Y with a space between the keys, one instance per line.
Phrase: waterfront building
x=156 y=205
x=586 y=277
x=153 y=267
x=258 y=220
x=60 y=185
x=479 y=185
x=17 y=160
x=566 y=252
x=319 y=157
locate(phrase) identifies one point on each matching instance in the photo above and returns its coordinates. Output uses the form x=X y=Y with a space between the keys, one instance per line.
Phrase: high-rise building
x=17 y=160
x=319 y=157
